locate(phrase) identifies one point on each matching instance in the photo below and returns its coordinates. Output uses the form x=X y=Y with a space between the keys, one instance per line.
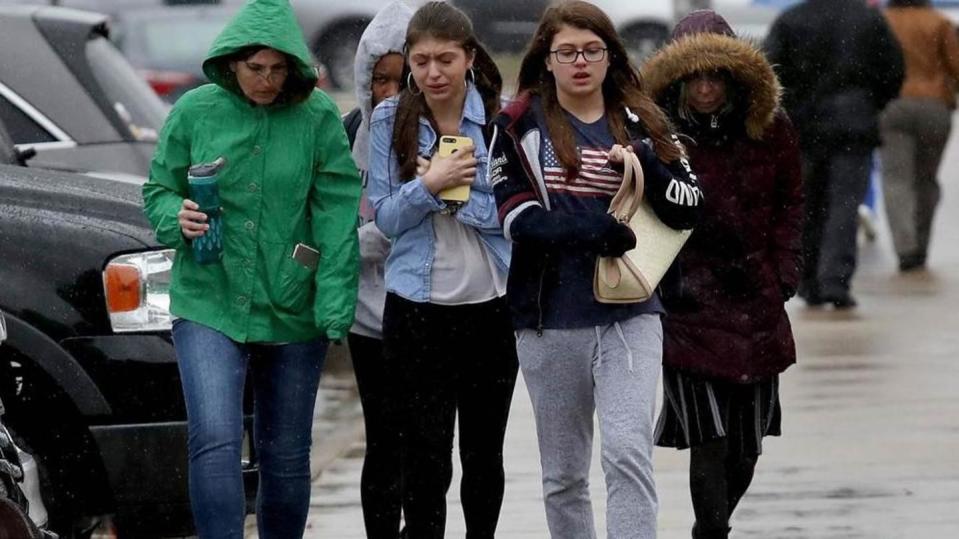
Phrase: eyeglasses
x=269 y=74
x=569 y=56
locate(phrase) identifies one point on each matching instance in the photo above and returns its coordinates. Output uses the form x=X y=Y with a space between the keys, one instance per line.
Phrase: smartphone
x=306 y=256
x=449 y=144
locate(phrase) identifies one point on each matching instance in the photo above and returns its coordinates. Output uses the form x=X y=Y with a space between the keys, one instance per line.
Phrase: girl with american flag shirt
x=555 y=164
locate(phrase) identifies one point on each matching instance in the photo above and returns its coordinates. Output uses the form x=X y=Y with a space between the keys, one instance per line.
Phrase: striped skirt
x=697 y=410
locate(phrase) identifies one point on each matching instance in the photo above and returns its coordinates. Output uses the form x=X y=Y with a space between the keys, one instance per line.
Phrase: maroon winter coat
x=743 y=260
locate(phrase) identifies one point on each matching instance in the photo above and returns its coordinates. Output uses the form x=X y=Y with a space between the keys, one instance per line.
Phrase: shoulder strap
x=626 y=201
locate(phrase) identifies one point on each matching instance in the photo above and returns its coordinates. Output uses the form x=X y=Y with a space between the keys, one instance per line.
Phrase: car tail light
x=137 y=291
x=165 y=83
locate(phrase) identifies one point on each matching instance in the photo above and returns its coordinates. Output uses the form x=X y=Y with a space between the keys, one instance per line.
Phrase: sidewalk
x=871 y=424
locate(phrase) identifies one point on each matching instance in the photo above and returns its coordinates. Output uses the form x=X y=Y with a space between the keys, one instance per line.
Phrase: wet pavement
x=870 y=420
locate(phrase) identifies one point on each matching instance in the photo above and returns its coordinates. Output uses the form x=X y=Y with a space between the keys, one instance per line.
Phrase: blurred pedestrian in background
x=915 y=127
x=446 y=333
x=556 y=165
x=727 y=337
x=839 y=65
x=266 y=305
x=378 y=75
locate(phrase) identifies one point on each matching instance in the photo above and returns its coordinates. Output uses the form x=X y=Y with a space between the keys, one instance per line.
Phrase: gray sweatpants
x=613 y=370
x=914 y=135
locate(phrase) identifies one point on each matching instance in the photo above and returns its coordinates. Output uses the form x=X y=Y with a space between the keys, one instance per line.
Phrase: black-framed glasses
x=268 y=73
x=569 y=56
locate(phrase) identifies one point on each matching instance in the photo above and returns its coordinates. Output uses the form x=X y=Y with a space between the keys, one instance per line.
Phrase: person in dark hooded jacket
x=727 y=336
x=839 y=65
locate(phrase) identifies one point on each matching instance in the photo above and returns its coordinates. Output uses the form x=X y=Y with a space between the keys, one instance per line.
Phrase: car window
x=22 y=128
x=135 y=103
x=178 y=42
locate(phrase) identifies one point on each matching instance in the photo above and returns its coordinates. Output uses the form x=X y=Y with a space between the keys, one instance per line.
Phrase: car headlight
x=137 y=290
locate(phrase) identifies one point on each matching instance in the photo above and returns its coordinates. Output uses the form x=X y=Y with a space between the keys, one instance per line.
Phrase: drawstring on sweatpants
x=622 y=337
x=599 y=346
x=629 y=353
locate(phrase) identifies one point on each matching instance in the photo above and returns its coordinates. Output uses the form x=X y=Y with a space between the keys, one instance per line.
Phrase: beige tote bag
x=633 y=277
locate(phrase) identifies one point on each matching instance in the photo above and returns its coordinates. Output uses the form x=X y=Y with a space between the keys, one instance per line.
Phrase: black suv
x=87 y=373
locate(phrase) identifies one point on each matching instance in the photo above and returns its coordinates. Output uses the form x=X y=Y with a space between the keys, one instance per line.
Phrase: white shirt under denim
x=405 y=210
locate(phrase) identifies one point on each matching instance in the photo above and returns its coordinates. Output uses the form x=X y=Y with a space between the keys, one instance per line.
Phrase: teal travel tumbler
x=208 y=248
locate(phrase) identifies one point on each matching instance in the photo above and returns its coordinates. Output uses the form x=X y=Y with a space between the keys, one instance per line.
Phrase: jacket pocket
x=290 y=284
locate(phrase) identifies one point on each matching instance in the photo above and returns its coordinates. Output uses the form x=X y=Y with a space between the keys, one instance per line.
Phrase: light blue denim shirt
x=404 y=210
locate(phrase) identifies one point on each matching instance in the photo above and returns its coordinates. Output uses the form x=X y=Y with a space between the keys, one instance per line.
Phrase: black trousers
x=381 y=482
x=450 y=360
x=835 y=184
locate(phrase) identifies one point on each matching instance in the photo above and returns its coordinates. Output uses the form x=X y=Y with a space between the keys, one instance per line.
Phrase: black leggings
x=718 y=478
x=449 y=361
x=380 y=484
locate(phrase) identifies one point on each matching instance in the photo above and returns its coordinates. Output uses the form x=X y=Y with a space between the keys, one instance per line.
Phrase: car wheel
x=337 y=50
x=35 y=484
x=642 y=40
x=26 y=393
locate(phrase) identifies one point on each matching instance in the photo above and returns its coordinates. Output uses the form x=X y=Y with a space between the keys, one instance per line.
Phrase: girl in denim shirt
x=447 y=337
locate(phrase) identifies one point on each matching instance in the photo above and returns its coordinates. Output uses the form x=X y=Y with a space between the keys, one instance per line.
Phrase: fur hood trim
x=744 y=60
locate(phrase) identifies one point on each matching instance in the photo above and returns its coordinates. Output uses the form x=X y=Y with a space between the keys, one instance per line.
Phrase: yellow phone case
x=449 y=144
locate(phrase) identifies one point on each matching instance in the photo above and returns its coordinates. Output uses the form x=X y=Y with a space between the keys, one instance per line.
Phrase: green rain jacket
x=289 y=178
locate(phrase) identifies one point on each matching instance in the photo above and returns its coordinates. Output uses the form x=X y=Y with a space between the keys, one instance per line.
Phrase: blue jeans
x=285 y=380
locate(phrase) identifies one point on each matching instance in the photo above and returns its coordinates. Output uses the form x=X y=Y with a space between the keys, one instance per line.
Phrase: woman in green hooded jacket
x=288 y=181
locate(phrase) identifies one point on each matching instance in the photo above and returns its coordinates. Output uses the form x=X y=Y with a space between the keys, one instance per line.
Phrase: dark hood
x=701 y=21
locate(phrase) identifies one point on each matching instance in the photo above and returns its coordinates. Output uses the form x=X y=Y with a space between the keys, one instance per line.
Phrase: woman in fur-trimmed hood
x=727 y=336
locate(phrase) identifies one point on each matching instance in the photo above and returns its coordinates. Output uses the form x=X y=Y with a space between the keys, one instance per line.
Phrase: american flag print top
x=595 y=177
x=596 y=183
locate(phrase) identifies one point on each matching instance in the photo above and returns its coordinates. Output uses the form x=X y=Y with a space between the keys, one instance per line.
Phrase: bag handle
x=627 y=199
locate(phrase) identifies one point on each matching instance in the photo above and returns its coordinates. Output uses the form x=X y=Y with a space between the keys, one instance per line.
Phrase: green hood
x=271 y=23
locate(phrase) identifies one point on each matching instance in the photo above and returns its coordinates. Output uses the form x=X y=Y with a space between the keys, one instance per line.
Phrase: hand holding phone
x=452 y=170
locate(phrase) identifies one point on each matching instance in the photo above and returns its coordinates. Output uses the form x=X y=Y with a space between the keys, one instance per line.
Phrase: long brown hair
x=440 y=21
x=621 y=88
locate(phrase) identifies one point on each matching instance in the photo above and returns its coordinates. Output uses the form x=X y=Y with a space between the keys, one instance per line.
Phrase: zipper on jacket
x=714 y=121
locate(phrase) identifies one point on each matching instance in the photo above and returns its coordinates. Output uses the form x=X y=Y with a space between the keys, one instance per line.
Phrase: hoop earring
x=410 y=85
x=470 y=78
